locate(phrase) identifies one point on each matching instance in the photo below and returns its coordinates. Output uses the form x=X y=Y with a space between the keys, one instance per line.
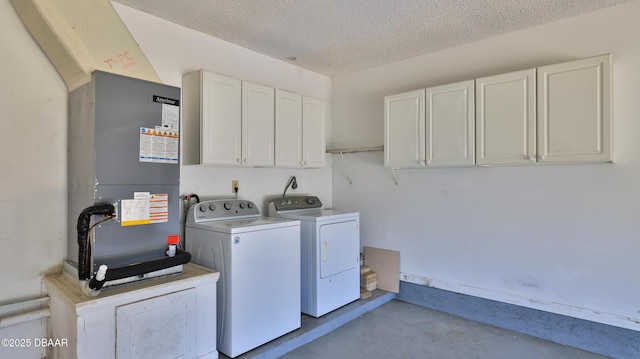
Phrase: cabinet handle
x=245 y=160
x=237 y=160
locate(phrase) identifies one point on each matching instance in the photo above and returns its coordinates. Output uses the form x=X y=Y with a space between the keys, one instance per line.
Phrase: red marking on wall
x=124 y=60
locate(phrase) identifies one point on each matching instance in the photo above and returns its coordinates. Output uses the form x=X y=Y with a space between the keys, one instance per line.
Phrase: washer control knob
x=242 y=205
x=227 y=206
x=289 y=202
x=202 y=208
x=311 y=200
x=250 y=204
x=283 y=202
x=212 y=207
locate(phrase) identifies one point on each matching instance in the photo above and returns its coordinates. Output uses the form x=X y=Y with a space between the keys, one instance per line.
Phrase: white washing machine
x=330 y=252
x=259 y=263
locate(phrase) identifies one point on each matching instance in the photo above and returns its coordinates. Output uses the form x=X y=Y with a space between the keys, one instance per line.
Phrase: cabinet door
x=314 y=113
x=574 y=111
x=221 y=120
x=450 y=125
x=404 y=133
x=505 y=119
x=288 y=129
x=160 y=327
x=257 y=125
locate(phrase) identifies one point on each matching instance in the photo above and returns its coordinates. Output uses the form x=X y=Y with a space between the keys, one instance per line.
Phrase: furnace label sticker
x=170 y=112
x=158 y=145
x=136 y=211
x=171 y=117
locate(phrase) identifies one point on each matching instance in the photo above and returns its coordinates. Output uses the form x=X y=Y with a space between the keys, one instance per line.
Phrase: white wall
x=33 y=165
x=33 y=146
x=33 y=161
x=564 y=238
x=175 y=50
x=560 y=238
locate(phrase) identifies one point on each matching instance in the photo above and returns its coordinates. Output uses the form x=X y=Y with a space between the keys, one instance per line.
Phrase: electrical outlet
x=235 y=184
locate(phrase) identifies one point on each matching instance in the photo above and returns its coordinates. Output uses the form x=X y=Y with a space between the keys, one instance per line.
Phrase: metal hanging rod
x=356 y=149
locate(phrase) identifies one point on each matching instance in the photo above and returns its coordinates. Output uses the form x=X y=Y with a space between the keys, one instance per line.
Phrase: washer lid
x=242 y=225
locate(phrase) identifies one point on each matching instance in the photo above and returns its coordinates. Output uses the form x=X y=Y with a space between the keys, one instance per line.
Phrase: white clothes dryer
x=259 y=263
x=330 y=252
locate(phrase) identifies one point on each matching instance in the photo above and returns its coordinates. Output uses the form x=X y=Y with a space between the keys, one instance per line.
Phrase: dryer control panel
x=297 y=202
x=221 y=209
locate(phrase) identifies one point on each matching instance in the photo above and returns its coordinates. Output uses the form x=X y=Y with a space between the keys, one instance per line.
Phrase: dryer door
x=339 y=247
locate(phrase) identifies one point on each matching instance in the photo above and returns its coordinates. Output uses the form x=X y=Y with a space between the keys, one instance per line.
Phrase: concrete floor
x=402 y=330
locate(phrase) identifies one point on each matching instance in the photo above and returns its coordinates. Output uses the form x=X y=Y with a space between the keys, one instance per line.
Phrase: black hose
x=84 y=223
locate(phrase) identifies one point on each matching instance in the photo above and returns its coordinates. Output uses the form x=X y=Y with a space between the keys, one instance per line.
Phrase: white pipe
x=12 y=306
x=24 y=317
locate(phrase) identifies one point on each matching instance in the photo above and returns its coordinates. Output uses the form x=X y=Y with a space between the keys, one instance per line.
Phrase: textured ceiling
x=335 y=37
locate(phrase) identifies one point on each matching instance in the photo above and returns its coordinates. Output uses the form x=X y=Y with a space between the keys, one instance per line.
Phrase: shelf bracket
x=395 y=177
x=346 y=168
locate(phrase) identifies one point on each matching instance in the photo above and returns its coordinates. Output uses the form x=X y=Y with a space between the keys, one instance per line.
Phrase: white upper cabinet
x=450 y=125
x=227 y=122
x=221 y=120
x=299 y=131
x=404 y=134
x=314 y=115
x=552 y=114
x=505 y=119
x=432 y=127
x=230 y=122
x=258 y=125
x=211 y=119
x=574 y=111
x=288 y=129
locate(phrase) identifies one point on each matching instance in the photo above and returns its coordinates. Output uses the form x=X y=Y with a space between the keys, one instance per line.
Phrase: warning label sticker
x=159 y=208
x=158 y=145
